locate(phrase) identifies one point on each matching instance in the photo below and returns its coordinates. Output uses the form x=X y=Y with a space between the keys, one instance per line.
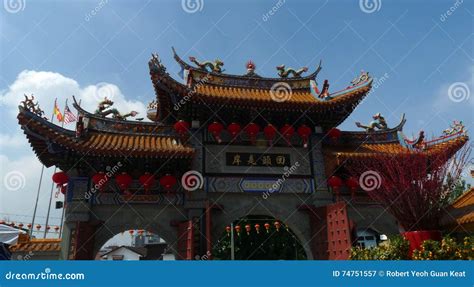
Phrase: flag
x=69 y=117
x=57 y=112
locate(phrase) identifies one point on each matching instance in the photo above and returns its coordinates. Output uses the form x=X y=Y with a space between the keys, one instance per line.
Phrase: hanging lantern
x=216 y=129
x=20 y=225
x=252 y=130
x=124 y=180
x=257 y=228
x=353 y=184
x=29 y=225
x=277 y=225
x=131 y=232
x=38 y=227
x=140 y=232
x=147 y=180
x=267 y=227
x=228 y=229
x=56 y=228
x=100 y=179
x=48 y=228
x=287 y=131
x=304 y=132
x=234 y=129
x=270 y=132
x=237 y=228
x=335 y=183
x=334 y=134
x=181 y=127
x=248 y=228
x=168 y=182
x=60 y=178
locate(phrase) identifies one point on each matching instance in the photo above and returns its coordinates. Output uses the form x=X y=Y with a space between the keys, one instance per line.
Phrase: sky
x=420 y=51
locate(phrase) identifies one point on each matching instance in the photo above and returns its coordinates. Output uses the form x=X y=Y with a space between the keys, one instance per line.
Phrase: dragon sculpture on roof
x=103 y=109
x=286 y=72
x=210 y=66
x=29 y=104
x=378 y=123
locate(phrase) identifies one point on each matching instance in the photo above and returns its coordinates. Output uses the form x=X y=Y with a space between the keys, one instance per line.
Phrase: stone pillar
x=321 y=195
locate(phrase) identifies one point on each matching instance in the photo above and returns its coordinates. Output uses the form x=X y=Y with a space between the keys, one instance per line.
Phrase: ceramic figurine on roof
x=155 y=64
x=378 y=122
x=286 y=72
x=251 y=69
x=215 y=66
x=31 y=106
x=364 y=76
x=103 y=109
x=456 y=127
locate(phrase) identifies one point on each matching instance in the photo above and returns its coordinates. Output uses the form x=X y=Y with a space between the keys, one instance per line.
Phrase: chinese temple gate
x=217 y=148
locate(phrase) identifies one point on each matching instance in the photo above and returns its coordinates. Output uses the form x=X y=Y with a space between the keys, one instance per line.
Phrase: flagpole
x=52 y=183
x=64 y=203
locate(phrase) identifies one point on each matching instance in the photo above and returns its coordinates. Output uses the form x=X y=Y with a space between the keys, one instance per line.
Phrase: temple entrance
x=258 y=237
x=135 y=244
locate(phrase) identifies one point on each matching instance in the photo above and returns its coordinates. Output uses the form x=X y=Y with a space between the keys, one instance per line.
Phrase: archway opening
x=135 y=244
x=258 y=237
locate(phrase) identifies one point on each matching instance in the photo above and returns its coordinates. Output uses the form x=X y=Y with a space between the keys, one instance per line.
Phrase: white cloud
x=47 y=86
x=19 y=168
x=456 y=94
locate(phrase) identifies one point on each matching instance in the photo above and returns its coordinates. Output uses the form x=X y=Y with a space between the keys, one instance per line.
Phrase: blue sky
x=84 y=45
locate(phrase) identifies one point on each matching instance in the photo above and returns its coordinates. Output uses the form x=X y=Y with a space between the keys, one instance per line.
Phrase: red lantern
x=168 y=182
x=287 y=131
x=38 y=227
x=181 y=127
x=252 y=130
x=353 y=184
x=29 y=225
x=56 y=228
x=277 y=225
x=131 y=232
x=215 y=129
x=335 y=183
x=147 y=180
x=237 y=228
x=100 y=179
x=48 y=228
x=304 y=132
x=60 y=178
x=124 y=181
x=248 y=228
x=228 y=229
x=20 y=225
x=267 y=227
x=234 y=129
x=334 y=134
x=270 y=132
x=257 y=228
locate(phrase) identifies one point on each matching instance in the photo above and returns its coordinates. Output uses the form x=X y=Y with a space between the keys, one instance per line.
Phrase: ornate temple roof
x=52 y=143
x=292 y=94
x=37 y=245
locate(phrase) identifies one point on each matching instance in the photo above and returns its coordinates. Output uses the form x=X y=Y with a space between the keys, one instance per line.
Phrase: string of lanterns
x=29 y=226
x=336 y=183
x=248 y=228
x=124 y=181
x=251 y=130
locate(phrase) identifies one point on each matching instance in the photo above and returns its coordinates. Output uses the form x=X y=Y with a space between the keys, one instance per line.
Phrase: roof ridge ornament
x=209 y=66
x=363 y=77
x=29 y=105
x=378 y=123
x=104 y=109
x=286 y=72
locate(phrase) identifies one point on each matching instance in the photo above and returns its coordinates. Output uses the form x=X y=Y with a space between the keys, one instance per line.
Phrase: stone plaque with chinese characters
x=257 y=159
x=233 y=159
